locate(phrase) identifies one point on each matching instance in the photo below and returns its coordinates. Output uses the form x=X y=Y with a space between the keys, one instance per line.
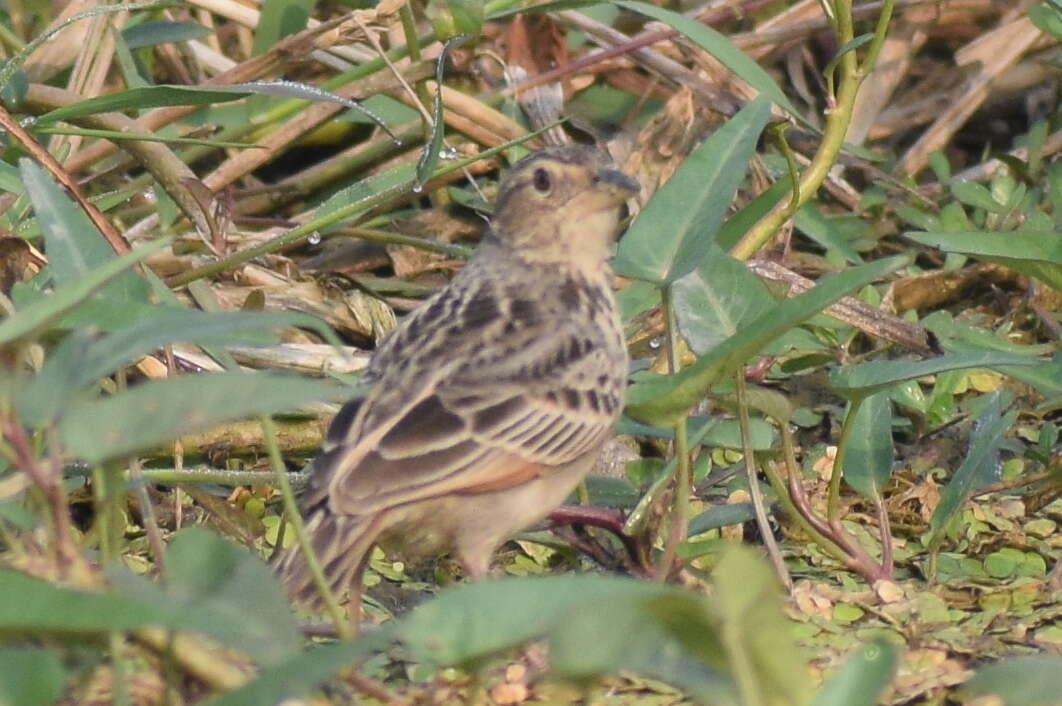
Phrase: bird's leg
x=476 y=565
x=355 y=591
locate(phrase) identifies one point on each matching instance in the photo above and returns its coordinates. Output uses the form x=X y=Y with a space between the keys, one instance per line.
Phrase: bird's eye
x=541 y=180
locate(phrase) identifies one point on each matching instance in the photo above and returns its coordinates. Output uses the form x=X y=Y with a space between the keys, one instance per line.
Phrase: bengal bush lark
x=488 y=404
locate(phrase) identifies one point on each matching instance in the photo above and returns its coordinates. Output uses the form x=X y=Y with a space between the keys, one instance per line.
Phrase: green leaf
x=677 y=228
x=1032 y=680
x=40 y=607
x=824 y=230
x=587 y=620
x=850 y=46
x=973 y=194
x=225 y=592
x=153 y=32
x=757 y=635
x=668 y=398
x=142 y=99
x=721 y=516
x=1049 y=20
x=869 y=454
x=294 y=677
x=30 y=677
x=74 y=244
x=278 y=19
x=718 y=46
x=1034 y=253
x=739 y=223
x=47 y=309
x=156 y=412
x=716 y=300
x=429 y=157
x=979 y=468
x=857 y=381
x=862 y=677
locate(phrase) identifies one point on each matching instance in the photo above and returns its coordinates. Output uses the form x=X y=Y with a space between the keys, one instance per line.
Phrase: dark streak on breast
x=481 y=310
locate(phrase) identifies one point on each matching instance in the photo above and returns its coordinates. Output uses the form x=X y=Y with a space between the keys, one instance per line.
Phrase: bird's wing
x=486 y=422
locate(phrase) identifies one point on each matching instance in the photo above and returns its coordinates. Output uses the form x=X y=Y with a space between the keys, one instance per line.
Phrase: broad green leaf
x=1031 y=680
x=153 y=32
x=716 y=300
x=1045 y=378
x=38 y=607
x=225 y=592
x=979 y=468
x=156 y=412
x=677 y=228
x=668 y=398
x=294 y=677
x=1034 y=253
x=721 y=516
x=973 y=194
x=825 y=230
x=739 y=223
x=142 y=99
x=718 y=46
x=862 y=677
x=278 y=19
x=857 y=381
x=10 y=181
x=30 y=677
x=756 y=634
x=869 y=454
x=588 y=622
x=1048 y=19
x=74 y=244
x=49 y=308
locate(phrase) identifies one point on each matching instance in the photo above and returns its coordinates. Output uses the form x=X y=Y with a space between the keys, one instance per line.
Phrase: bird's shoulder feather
x=485 y=378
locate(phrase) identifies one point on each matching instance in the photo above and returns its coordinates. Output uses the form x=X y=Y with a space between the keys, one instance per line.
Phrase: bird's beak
x=618 y=182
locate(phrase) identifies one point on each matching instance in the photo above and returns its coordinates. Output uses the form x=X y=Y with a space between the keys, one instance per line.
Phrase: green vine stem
x=755 y=492
x=838 y=117
x=785 y=499
x=680 y=502
x=291 y=510
x=833 y=504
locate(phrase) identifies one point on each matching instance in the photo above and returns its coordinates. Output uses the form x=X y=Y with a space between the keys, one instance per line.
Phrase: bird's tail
x=341 y=544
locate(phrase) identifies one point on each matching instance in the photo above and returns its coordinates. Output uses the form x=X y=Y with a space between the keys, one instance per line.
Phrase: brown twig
x=47 y=478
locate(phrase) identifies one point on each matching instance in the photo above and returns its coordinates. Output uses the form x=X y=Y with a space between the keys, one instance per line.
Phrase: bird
x=485 y=406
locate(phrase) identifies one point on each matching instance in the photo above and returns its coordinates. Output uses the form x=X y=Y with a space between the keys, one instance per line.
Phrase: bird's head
x=561 y=205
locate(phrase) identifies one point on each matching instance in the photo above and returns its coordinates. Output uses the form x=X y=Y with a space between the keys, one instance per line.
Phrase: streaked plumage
x=488 y=404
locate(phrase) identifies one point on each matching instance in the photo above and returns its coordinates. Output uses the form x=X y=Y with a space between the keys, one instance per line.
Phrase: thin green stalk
x=119 y=680
x=833 y=504
x=10 y=39
x=838 y=118
x=759 y=507
x=291 y=511
x=637 y=517
x=680 y=503
x=409 y=28
x=213 y=476
x=105 y=489
x=780 y=490
x=389 y=238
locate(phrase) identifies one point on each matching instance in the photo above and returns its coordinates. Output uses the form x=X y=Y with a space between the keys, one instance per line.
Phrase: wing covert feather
x=483 y=422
